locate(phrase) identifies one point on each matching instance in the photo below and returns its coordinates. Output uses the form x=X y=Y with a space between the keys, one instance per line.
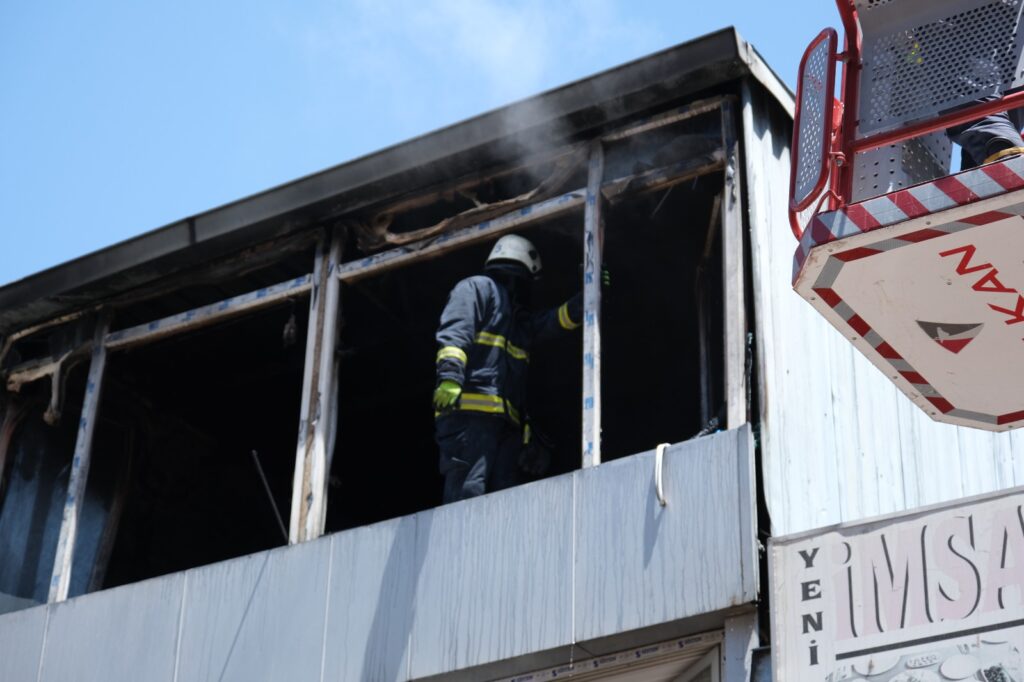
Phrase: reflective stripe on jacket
x=484 y=344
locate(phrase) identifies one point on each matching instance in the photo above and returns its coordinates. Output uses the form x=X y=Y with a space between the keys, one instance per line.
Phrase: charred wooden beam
x=612 y=190
x=375 y=232
x=677 y=115
x=387 y=260
x=33 y=370
x=663 y=178
x=12 y=338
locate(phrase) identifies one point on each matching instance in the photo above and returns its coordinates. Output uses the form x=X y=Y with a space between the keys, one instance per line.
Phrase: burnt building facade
x=191 y=488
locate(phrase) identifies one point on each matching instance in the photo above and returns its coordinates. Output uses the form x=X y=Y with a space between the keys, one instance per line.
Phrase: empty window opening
x=200 y=409
x=386 y=461
x=663 y=252
x=661 y=345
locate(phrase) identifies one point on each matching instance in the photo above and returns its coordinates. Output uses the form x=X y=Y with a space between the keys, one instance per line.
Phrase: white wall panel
x=374 y=572
x=260 y=617
x=21 y=643
x=839 y=441
x=496 y=577
x=130 y=633
x=485 y=587
x=640 y=564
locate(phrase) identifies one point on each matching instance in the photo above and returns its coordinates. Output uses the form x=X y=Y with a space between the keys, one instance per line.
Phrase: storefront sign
x=923 y=597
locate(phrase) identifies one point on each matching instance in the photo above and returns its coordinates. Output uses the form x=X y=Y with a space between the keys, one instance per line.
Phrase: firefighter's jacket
x=484 y=344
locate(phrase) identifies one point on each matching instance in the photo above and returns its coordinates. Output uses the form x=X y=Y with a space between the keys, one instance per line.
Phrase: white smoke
x=478 y=54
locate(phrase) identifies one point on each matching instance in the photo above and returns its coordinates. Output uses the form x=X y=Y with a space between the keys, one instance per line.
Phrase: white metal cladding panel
x=639 y=564
x=373 y=597
x=260 y=617
x=494 y=578
x=839 y=441
x=129 y=633
x=484 y=581
x=21 y=644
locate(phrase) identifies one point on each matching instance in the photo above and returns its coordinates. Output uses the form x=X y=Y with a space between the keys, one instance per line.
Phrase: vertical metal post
x=593 y=242
x=733 y=277
x=60 y=582
x=319 y=389
x=741 y=638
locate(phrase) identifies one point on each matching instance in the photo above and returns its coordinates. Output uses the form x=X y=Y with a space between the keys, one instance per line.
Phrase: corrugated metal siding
x=839 y=441
x=516 y=575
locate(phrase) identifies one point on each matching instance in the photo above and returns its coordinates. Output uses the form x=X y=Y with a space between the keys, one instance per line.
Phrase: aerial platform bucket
x=922 y=271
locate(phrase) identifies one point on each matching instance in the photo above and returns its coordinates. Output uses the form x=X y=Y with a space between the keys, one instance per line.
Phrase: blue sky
x=118 y=117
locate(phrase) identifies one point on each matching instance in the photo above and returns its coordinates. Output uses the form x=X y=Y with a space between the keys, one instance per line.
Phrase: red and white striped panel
x=928 y=283
x=954 y=190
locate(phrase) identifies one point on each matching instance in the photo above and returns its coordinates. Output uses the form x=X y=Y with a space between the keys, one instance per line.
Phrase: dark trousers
x=981 y=139
x=479 y=454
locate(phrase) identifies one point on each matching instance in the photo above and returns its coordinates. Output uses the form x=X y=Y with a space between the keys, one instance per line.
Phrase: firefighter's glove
x=606 y=276
x=446 y=395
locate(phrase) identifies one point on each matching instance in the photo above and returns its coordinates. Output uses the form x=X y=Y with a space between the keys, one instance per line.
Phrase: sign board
x=928 y=596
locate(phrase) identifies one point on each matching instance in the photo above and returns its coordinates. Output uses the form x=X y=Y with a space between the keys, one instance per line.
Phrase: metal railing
x=840 y=139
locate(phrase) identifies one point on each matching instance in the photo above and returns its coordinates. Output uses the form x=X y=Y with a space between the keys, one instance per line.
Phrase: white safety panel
x=815 y=117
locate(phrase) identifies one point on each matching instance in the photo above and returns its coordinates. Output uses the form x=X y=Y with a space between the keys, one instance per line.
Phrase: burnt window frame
x=317 y=433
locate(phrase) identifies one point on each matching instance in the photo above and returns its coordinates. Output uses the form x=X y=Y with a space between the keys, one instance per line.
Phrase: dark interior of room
x=651 y=358
x=660 y=254
x=385 y=462
x=197 y=407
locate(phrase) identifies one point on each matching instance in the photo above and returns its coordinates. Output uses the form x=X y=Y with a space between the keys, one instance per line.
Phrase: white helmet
x=516 y=249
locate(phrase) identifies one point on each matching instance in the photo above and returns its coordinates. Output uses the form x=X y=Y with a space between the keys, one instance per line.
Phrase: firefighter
x=484 y=341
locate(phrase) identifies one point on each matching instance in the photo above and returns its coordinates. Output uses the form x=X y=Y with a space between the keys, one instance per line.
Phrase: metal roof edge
x=766 y=76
